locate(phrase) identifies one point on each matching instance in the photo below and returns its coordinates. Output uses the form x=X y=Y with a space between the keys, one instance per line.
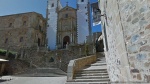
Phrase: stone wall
x=127 y=39
x=57 y=58
x=22 y=30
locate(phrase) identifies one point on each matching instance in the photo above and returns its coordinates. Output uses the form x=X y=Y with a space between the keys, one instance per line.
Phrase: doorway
x=66 y=40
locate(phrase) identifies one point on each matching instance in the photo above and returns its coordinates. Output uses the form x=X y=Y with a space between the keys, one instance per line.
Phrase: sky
x=8 y=7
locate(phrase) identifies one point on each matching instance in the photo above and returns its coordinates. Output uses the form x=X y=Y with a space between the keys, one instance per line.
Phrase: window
x=10 y=25
x=82 y=0
x=21 y=39
x=66 y=15
x=85 y=7
x=40 y=28
x=6 y=40
x=24 y=23
x=52 y=5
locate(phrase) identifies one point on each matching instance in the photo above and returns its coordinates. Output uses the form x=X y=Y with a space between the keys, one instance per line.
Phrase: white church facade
x=83 y=22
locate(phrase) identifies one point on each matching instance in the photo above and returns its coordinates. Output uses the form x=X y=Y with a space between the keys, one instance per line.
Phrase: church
x=67 y=25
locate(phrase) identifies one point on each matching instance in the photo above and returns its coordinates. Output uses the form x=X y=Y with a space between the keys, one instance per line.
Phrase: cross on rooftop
x=67 y=3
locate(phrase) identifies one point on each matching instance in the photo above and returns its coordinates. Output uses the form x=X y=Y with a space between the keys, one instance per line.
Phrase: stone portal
x=66 y=40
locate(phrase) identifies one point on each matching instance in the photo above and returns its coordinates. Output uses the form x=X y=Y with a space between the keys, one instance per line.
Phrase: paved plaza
x=34 y=80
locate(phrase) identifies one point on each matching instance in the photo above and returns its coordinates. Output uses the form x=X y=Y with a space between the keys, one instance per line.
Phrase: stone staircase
x=95 y=73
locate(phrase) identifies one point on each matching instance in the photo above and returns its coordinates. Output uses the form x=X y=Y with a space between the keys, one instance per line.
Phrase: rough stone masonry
x=126 y=32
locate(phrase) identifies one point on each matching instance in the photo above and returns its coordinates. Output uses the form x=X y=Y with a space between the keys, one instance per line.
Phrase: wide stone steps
x=91 y=77
x=102 y=82
x=90 y=71
x=97 y=64
x=90 y=80
x=95 y=73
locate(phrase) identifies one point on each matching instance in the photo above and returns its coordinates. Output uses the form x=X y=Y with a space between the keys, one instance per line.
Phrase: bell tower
x=83 y=20
x=53 y=6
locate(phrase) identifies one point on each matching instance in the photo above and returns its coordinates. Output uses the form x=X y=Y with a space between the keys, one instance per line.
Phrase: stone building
x=22 y=30
x=82 y=17
x=67 y=27
x=126 y=32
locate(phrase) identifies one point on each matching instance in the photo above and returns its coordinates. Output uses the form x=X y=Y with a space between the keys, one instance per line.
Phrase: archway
x=66 y=40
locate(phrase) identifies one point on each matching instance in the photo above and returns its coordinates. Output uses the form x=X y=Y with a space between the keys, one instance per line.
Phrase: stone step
x=92 y=74
x=102 y=82
x=91 y=77
x=90 y=80
x=86 y=70
x=90 y=71
x=100 y=61
x=96 y=67
x=97 y=64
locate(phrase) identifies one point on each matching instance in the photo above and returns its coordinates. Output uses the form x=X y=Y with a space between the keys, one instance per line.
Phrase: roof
x=22 y=14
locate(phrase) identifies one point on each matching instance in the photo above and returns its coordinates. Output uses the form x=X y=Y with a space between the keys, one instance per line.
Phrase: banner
x=96 y=15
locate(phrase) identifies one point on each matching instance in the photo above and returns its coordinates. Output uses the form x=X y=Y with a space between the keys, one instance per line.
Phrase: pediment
x=67 y=8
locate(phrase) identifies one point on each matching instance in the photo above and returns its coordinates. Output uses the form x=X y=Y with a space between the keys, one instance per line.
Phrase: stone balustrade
x=77 y=64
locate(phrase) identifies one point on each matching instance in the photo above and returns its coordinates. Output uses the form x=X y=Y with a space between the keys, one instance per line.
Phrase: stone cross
x=67 y=3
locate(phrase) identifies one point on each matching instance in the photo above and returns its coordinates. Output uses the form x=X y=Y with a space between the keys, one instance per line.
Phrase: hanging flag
x=96 y=14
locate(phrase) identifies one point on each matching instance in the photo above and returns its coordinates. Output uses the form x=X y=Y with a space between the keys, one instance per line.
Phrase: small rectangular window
x=52 y=5
x=82 y=0
x=10 y=25
x=66 y=15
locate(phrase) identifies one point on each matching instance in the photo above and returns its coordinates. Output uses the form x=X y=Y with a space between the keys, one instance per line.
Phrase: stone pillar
x=80 y=51
x=21 y=54
x=71 y=38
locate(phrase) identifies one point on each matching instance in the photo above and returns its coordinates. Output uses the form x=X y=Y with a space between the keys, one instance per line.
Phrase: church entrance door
x=66 y=40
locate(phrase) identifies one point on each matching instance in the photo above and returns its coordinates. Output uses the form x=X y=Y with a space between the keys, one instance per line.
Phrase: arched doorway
x=66 y=40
